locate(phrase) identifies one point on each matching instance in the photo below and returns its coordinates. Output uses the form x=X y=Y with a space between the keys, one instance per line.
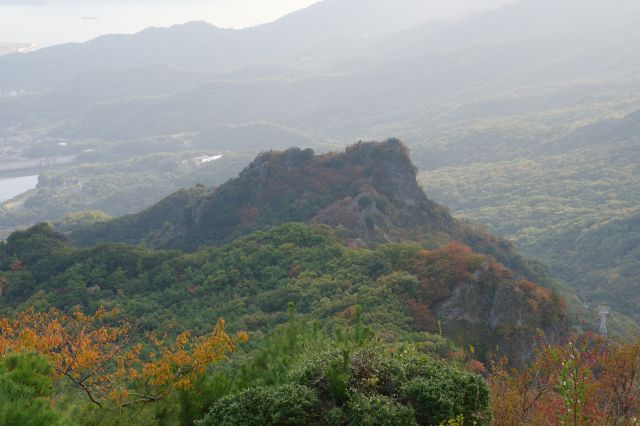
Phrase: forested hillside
x=402 y=287
x=337 y=335
x=319 y=332
x=347 y=322
x=571 y=203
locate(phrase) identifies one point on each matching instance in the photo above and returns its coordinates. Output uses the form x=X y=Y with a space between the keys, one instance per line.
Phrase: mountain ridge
x=368 y=194
x=217 y=46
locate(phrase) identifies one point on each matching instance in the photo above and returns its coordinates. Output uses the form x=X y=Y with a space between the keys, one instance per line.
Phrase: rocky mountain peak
x=368 y=194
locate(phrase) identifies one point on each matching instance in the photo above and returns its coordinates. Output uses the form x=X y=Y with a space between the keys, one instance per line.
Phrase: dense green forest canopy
x=338 y=335
x=404 y=289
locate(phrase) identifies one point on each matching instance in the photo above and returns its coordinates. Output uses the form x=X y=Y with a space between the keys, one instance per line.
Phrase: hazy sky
x=46 y=22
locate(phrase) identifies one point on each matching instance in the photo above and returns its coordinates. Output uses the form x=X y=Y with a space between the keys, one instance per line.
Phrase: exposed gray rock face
x=481 y=309
x=469 y=302
x=473 y=304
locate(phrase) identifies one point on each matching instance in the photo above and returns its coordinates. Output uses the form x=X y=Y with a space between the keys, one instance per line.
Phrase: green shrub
x=24 y=387
x=369 y=383
x=439 y=392
x=263 y=406
x=378 y=411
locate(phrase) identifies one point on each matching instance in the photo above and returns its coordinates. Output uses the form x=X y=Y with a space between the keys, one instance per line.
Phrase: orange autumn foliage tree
x=619 y=391
x=97 y=354
x=589 y=381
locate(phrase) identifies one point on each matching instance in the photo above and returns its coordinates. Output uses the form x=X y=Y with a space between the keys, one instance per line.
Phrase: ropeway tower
x=604 y=312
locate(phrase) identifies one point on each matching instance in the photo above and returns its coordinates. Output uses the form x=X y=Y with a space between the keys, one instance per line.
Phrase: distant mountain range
x=327 y=81
x=202 y=46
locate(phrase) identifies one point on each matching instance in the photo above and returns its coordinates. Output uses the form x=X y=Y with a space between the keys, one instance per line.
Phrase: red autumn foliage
x=589 y=381
x=17 y=266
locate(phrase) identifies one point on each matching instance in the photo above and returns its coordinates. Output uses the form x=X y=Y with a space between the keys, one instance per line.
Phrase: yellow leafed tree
x=97 y=354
